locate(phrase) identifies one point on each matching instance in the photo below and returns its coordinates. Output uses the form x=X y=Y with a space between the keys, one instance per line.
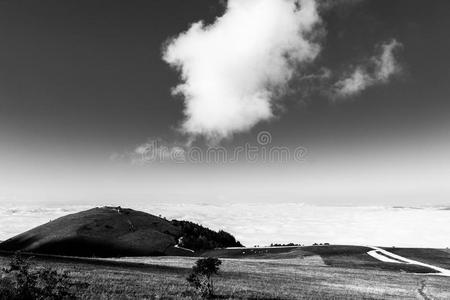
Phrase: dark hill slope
x=108 y=232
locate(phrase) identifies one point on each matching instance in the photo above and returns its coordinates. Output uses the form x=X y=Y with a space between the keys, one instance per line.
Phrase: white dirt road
x=387 y=256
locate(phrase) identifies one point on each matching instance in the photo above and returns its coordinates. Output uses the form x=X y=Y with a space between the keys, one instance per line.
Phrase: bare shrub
x=201 y=276
x=20 y=281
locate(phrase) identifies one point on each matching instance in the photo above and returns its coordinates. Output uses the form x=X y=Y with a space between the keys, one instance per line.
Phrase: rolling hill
x=340 y=256
x=113 y=232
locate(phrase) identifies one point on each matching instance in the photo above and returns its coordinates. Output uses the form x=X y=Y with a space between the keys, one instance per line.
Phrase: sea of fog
x=263 y=224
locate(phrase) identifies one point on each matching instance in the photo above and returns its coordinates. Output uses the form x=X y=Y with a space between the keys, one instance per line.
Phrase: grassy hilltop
x=115 y=231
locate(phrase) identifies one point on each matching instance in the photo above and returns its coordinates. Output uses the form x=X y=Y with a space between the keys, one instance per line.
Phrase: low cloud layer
x=257 y=224
x=233 y=70
x=378 y=70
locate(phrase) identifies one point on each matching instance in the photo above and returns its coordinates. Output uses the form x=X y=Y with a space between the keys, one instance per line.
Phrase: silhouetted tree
x=197 y=237
x=201 y=276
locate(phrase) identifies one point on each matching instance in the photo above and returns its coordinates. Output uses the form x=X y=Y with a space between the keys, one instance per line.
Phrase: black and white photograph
x=224 y=149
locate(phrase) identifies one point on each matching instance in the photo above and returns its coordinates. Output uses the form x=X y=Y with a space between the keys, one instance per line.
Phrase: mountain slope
x=103 y=232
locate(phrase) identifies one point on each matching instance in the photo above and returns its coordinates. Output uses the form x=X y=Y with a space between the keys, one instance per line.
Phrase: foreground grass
x=307 y=278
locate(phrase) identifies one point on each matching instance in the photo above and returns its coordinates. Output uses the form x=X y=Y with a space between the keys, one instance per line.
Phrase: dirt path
x=421 y=290
x=387 y=256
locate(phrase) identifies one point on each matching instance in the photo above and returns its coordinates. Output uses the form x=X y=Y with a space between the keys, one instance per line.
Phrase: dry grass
x=246 y=279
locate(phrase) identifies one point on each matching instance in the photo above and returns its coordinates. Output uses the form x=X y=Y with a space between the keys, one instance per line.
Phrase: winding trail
x=421 y=290
x=387 y=256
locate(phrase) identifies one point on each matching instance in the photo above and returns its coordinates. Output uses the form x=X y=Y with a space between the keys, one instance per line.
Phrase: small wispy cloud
x=386 y=64
x=358 y=81
x=153 y=150
x=379 y=69
x=157 y=150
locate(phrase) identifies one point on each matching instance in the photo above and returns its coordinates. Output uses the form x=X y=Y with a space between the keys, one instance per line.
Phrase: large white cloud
x=233 y=70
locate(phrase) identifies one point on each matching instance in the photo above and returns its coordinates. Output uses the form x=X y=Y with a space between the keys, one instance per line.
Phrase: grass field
x=437 y=257
x=334 y=255
x=305 y=276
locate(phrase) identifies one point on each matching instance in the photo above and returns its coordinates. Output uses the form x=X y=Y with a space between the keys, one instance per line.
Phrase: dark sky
x=80 y=80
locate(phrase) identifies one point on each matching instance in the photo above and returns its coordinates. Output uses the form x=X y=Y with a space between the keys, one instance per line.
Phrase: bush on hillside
x=201 y=276
x=20 y=281
x=197 y=237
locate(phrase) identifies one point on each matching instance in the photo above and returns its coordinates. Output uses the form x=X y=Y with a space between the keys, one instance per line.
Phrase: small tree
x=20 y=281
x=201 y=276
